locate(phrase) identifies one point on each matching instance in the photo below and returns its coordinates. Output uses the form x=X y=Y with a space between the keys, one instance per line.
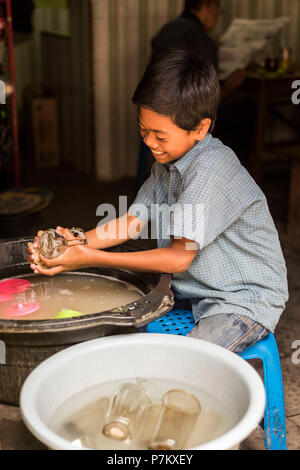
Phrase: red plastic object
x=20 y=310
x=2 y=24
x=16 y=156
x=14 y=286
x=4 y=297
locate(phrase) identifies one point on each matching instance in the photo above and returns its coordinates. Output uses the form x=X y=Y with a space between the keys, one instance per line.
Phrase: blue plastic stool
x=180 y=322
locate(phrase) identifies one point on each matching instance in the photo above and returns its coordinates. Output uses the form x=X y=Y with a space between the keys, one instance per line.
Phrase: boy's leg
x=231 y=331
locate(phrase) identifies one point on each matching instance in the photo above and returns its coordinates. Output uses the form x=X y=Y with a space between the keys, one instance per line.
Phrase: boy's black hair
x=180 y=85
x=196 y=5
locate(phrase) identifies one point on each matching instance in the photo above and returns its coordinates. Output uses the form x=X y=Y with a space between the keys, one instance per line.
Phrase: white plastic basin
x=199 y=363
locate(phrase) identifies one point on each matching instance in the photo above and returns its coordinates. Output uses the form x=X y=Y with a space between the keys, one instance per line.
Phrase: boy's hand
x=74 y=257
x=33 y=252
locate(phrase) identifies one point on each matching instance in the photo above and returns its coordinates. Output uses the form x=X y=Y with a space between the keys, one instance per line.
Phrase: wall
x=61 y=62
x=28 y=68
x=121 y=36
x=27 y=54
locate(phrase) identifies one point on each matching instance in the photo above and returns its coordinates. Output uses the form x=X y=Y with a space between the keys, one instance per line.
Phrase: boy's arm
x=115 y=232
x=175 y=258
x=232 y=83
x=107 y=235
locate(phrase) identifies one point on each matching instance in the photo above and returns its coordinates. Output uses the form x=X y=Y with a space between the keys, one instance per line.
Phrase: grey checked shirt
x=208 y=197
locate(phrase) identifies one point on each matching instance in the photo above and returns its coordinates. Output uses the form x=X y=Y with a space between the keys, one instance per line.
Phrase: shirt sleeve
x=141 y=207
x=205 y=208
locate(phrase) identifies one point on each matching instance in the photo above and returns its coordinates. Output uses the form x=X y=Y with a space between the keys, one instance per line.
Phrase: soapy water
x=80 y=419
x=65 y=296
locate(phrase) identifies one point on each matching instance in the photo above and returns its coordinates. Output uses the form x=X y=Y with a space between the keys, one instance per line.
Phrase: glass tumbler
x=53 y=244
x=127 y=411
x=177 y=417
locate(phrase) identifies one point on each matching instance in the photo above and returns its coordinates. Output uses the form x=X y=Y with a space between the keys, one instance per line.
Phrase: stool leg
x=274 y=419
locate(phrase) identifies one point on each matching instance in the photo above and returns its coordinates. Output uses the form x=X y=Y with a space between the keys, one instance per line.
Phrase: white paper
x=245 y=40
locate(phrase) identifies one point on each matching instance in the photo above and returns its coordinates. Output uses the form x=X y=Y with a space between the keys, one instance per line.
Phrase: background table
x=270 y=92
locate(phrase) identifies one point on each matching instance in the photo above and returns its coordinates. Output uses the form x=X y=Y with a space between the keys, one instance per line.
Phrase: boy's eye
x=144 y=132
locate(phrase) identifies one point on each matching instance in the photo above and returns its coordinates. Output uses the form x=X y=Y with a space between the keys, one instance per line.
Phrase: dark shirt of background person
x=191 y=30
x=186 y=31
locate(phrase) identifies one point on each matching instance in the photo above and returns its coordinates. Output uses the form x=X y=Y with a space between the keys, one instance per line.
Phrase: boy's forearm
x=160 y=260
x=94 y=241
x=113 y=233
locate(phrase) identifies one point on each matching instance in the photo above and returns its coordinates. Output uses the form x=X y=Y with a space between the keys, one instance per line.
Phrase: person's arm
x=107 y=235
x=115 y=232
x=232 y=83
x=175 y=258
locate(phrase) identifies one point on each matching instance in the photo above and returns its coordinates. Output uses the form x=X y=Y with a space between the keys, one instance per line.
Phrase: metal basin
x=27 y=343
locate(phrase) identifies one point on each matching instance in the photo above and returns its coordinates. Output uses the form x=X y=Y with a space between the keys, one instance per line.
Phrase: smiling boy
x=220 y=243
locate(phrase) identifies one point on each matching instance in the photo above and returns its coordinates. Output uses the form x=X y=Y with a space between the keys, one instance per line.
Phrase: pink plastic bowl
x=4 y=297
x=14 y=286
x=20 y=310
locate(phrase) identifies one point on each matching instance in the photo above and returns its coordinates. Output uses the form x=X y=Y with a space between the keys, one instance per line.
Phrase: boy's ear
x=202 y=129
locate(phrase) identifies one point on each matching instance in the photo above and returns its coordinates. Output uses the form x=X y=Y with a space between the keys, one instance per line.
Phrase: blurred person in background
x=192 y=30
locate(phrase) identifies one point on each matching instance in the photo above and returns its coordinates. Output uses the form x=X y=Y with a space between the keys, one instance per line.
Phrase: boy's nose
x=150 y=141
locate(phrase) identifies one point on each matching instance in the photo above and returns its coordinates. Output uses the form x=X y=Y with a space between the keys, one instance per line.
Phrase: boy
x=219 y=243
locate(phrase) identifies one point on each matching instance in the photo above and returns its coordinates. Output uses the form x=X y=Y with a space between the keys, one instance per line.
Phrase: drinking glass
x=177 y=417
x=127 y=412
x=53 y=244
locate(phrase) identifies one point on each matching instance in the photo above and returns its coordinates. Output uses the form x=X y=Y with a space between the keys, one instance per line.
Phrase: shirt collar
x=184 y=162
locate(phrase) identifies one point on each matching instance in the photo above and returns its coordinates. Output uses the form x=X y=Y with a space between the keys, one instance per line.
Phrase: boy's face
x=167 y=141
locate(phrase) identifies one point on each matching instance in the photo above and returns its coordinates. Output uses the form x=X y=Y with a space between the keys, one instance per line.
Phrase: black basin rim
x=108 y=316
x=159 y=293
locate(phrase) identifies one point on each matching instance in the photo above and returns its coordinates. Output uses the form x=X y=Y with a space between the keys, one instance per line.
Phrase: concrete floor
x=74 y=204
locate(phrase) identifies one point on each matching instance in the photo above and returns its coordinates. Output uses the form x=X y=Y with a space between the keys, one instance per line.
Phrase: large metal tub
x=27 y=343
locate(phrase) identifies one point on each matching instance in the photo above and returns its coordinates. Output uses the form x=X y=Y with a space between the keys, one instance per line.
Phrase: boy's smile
x=165 y=139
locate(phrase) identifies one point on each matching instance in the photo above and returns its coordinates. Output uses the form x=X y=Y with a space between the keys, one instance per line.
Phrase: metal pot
x=28 y=343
